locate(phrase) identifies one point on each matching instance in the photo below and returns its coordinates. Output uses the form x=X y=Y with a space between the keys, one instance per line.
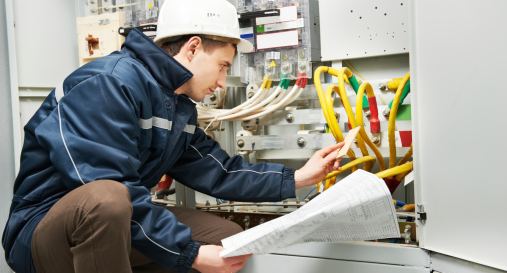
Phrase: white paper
x=359 y=207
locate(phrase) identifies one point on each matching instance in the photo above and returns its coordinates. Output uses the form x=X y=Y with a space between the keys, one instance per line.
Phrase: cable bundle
x=258 y=105
x=402 y=168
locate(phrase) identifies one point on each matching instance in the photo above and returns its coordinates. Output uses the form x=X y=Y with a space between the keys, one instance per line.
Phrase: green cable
x=282 y=80
x=355 y=85
x=404 y=94
x=286 y=84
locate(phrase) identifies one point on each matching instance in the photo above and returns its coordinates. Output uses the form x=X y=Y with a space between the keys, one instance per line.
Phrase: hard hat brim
x=244 y=46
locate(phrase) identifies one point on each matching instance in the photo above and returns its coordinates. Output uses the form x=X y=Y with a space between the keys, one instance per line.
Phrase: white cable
x=206 y=113
x=286 y=100
x=255 y=107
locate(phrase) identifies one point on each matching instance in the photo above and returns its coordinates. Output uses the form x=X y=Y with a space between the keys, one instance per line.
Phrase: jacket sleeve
x=93 y=134
x=207 y=168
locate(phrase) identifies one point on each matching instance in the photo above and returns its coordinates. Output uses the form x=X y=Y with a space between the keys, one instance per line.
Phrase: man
x=111 y=130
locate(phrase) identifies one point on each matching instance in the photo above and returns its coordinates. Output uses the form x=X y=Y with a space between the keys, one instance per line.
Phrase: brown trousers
x=88 y=230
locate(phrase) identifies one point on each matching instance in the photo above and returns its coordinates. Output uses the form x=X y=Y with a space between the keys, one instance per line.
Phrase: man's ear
x=192 y=47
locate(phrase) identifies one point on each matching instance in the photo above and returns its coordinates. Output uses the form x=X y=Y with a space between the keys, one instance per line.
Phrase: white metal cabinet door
x=458 y=58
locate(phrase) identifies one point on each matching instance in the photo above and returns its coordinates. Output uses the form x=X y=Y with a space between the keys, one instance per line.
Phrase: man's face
x=209 y=71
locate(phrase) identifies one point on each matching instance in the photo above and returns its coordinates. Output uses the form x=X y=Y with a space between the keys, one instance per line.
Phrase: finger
x=337 y=163
x=331 y=148
x=238 y=259
x=330 y=158
x=237 y=267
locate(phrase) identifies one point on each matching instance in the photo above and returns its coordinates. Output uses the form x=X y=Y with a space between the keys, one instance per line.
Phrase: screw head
x=250 y=95
x=376 y=140
x=302 y=66
x=382 y=86
x=301 y=142
x=289 y=118
x=240 y=143
x=212 y=97
x=301 y=55
x=368 y=114
x=285 y=68
x=387 y=112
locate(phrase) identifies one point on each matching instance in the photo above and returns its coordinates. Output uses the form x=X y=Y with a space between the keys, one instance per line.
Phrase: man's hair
x=173 y=46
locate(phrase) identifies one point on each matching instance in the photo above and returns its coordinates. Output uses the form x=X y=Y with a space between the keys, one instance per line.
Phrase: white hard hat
x=217 y=18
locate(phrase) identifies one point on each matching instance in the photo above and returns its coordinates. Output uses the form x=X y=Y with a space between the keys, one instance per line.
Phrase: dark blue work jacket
x=118 y=118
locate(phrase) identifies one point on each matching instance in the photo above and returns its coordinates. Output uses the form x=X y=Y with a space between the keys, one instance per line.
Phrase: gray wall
x=6 y=137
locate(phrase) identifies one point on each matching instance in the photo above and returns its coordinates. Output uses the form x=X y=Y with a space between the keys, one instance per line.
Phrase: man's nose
x=221 y=81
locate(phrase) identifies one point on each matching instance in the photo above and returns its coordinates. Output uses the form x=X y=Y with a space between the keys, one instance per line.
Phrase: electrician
x=112 y=129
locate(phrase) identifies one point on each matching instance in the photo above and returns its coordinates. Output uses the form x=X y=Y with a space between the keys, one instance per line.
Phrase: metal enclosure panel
x=7 y=150
x=279 y=263
x=365 y=28
x=46 y=41
x=458 y=53
x=446 y=264
x=370 y=252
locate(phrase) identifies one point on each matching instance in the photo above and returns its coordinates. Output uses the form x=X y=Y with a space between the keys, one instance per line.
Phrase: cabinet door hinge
x=422 y=216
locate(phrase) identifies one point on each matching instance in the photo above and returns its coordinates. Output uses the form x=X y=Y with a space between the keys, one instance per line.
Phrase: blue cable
x=309 y=193
x=399 y=203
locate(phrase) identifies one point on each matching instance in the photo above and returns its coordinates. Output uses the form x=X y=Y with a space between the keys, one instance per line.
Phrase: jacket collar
x=163 y=67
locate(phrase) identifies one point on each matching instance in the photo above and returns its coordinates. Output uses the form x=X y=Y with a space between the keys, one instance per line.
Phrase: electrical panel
x=103 y=24
x=135 y=12
x=285 y=35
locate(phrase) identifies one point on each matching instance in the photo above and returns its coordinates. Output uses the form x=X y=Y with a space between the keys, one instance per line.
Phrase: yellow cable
x=359 y=120
x=350 y=165
x=348 y=109
x=263 y=85
x=327 y=108
x=392 y=121
x=406 y=157
x=359 y=101
x=351 y=67
x=318 y=186
x=329 y=113
x=342 y=74
x=395 y=170
x=269 y=85
x=329 y=182
x=354 y=70
x=400 y=176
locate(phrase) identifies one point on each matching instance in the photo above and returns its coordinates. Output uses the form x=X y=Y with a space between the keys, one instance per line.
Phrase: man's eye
x=222 y=66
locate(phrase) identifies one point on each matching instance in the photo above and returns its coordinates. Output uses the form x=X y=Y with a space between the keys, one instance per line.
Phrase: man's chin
x=197 y=99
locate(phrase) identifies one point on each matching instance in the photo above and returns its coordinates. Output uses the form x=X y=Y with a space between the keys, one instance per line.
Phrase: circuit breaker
x=98 y=35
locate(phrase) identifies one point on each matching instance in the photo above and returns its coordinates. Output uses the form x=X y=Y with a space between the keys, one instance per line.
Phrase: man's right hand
x=208 y=260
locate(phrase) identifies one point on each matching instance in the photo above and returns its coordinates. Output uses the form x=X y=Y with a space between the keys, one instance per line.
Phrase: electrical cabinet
x=455 y=52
